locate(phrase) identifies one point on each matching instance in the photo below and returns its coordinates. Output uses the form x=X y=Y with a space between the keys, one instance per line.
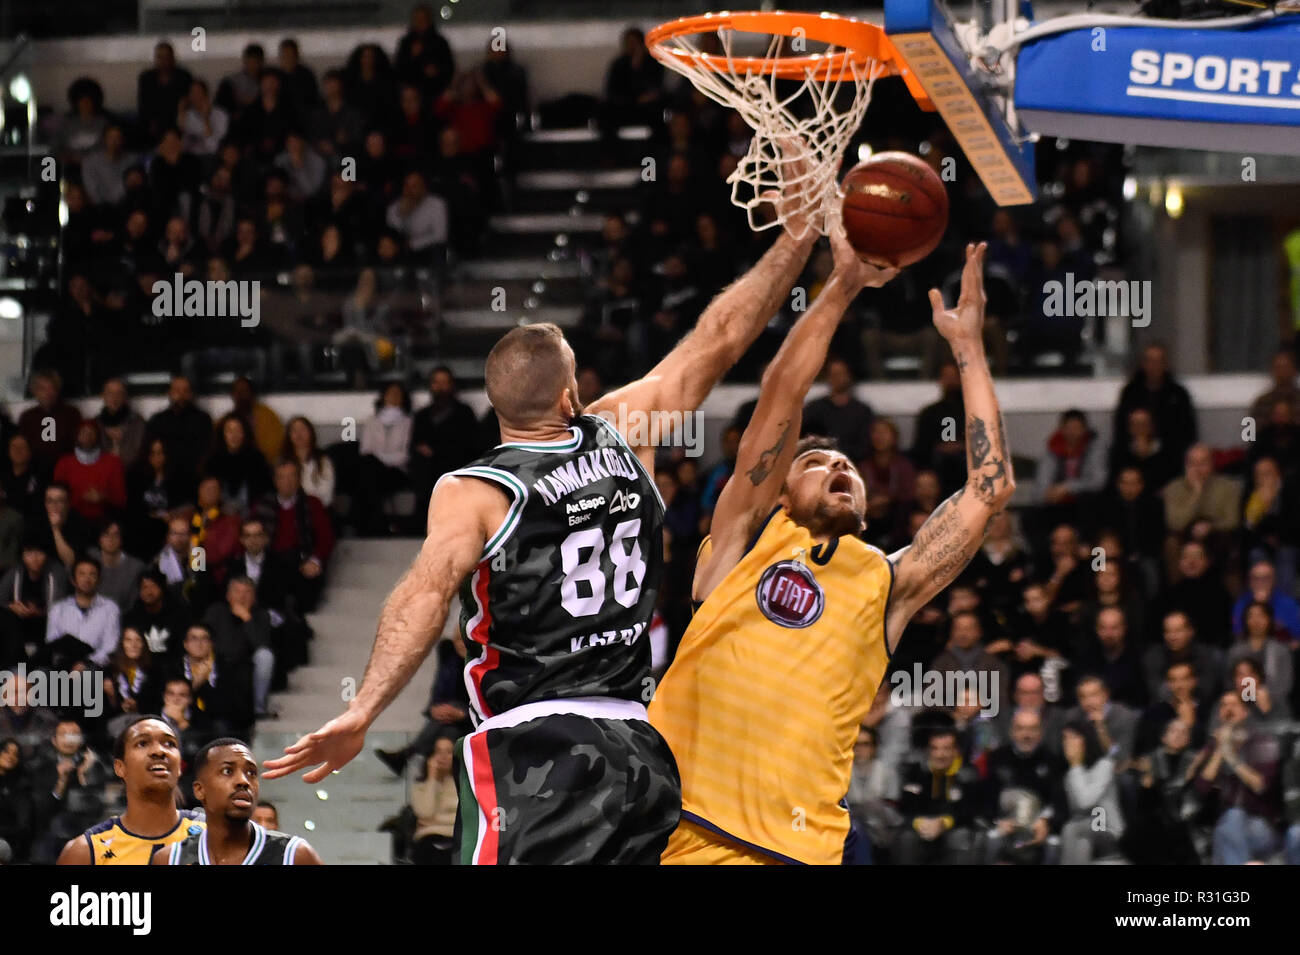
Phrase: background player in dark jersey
x=147 y=758
x=559 y=531
x=226 y=785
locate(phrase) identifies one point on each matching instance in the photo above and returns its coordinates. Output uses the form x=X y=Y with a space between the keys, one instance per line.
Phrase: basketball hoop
x=803 y=108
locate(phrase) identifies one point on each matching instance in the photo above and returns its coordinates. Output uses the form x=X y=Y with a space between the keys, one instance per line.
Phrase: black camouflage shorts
x=566 y=789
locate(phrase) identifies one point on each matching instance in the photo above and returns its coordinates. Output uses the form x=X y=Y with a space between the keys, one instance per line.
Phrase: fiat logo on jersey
x=789 y=594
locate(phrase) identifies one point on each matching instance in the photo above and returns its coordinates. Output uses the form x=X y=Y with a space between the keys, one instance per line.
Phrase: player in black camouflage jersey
x=556 y=535
x=226 y=785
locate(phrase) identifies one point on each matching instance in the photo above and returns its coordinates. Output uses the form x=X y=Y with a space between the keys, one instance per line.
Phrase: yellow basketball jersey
x=110 y=844
x=762 y=703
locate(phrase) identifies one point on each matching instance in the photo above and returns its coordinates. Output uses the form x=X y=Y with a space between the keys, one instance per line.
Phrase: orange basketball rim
x=855 y=41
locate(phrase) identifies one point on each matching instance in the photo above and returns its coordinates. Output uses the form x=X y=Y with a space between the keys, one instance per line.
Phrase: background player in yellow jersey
x=147 y=757
x=796 y=615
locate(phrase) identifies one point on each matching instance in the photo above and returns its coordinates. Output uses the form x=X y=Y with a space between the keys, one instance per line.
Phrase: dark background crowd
x=347 y=193
x=1137 y=607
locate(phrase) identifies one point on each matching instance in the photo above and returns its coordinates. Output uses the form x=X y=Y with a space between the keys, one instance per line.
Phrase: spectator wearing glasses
x=1262 y=587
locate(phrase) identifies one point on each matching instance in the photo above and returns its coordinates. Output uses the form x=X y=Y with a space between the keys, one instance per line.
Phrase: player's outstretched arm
x=463 y=513
x=730 y=324
x=950 y=537
x=767 y=447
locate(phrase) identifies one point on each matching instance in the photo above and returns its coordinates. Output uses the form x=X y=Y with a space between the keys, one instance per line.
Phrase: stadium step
x=547 y=223
x=490 y=320
x=581 y=147
x=540 y=267
x=364 y=573
x=528 y=293
x=574 y=180
x=585 y=190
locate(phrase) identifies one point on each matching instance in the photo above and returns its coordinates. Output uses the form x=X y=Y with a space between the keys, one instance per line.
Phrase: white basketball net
x=800 y=134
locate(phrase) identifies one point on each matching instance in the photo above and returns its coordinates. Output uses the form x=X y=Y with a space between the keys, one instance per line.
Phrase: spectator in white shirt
x=420 y=217
x=91 y=618
x=316 y=467
x=385 y=449
x=203 y=126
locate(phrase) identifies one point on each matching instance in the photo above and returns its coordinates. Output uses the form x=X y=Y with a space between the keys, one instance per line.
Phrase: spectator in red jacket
x=95 y=478
x=214 y=528
x=301 y=535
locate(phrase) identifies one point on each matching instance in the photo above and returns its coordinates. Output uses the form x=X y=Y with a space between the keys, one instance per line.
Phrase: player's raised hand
x=856 y=273
x=331 y=747
x=966 y=321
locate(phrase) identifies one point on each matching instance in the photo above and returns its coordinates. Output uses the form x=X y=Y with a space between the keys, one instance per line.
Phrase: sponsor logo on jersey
x=583 y=510
x=624 y=501
x=789 y=595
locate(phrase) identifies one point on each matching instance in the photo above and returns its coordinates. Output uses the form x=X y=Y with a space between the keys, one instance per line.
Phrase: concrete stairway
x=340 y=815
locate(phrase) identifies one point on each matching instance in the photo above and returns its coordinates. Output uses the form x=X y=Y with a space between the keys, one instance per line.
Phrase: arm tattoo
x=942 y=544
x=987 y=469
x=977 y=442
x=767 y=460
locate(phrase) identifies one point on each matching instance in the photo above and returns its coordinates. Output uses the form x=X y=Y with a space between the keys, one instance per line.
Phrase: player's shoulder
x=77 y=851
x=866 y=557
x=100 y=828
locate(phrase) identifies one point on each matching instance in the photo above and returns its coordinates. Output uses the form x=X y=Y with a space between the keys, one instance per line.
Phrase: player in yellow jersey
x=797 y=617
x=147 y=757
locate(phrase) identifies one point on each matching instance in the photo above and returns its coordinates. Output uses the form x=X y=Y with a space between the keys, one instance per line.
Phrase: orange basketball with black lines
x=895 y=209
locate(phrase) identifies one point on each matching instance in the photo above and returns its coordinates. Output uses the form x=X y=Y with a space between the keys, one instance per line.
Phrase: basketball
x=895 y=209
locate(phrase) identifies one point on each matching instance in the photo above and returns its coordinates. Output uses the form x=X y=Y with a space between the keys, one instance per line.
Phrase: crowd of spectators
x=171 y=561
x=341 y=194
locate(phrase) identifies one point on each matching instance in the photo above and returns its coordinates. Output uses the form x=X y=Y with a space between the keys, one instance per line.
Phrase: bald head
x=528 y=372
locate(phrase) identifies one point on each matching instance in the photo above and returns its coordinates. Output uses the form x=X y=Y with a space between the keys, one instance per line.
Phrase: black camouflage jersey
x=268 y=848
x=560 y=603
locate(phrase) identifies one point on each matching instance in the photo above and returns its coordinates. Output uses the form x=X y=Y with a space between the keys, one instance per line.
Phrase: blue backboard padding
x=1240 y=75
x=910 y=16
x=926 y=16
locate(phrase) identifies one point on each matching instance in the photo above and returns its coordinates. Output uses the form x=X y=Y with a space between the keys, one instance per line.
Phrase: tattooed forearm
x=977 y=443
x=987 y=465
x=767 y=460
x=943 y=545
